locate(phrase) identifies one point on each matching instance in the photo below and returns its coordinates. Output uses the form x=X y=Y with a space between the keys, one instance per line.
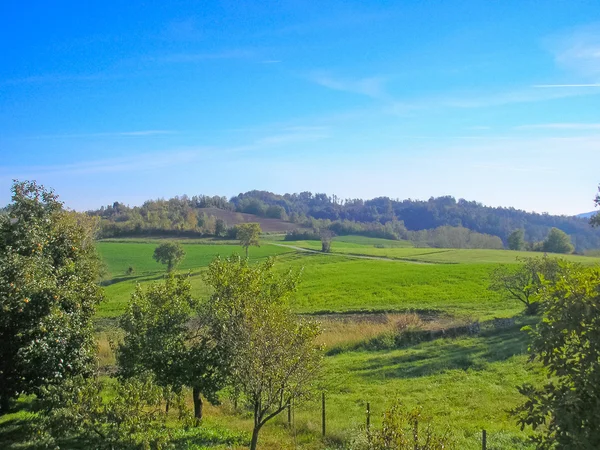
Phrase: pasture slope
x=467 y=382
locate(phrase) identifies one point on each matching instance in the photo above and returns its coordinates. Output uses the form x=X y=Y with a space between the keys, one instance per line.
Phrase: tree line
x=378 y=217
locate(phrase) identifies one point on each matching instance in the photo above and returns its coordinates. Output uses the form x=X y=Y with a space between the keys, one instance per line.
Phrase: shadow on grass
x=438 y=356
x=154 y=276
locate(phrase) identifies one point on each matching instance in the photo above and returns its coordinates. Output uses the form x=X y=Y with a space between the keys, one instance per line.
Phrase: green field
x=433 y=255
x=466 y=383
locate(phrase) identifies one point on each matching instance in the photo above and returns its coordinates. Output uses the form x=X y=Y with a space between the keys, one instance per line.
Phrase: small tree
x=48 y=293
x=516 y=240
x=403 y=429
x=169 y=253
x=595 y=220
x=220 y=228
x=558 y=241
x=248 y=234
x=273 y=355
x=159 y=339
x=131 y=418
x=326 y=238
x=564 y=412
x=524 y=281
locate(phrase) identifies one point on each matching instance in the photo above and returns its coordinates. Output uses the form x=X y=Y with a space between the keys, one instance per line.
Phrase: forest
x=379 y=217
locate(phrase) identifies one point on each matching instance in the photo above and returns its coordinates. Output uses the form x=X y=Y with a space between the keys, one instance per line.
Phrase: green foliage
x=272 y=354
x=524 y=282
x=132 y=418
x=558 y=241
x=565 y=410
x=516 y=240
x=220 y=228
x=595 y=220
x=169 y=253
x=48 y=292
x=403 y=429
x=248 y=234
x=159 y=340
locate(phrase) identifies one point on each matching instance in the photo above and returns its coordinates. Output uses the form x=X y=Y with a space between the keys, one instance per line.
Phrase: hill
x=232 y=218
x=586 y=215
x=378 y=217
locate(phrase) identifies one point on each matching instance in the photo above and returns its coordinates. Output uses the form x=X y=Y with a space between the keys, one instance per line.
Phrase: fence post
x=323 y=417
x=484 y=440
x=368 y=417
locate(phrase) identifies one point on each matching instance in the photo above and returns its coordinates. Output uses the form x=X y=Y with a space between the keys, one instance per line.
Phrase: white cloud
x=373 y=87
x=561 y=126
x=109 y=134
x=578 y=50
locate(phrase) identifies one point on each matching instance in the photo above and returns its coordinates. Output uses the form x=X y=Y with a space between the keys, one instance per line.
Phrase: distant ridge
x=586 y=215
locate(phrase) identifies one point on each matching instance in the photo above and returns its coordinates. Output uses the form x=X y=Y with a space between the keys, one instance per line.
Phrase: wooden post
x=368 y=417
x=323 y=410
x=484 y=440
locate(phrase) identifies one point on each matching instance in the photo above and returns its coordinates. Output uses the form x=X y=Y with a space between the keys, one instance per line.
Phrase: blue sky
x=492 y=101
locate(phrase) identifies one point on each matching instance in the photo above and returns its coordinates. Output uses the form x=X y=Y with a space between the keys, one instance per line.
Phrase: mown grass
x=119 y=256
x=339 y=284
x=436 y=255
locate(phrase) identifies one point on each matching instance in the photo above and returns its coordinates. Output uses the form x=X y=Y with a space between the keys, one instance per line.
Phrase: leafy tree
x=169 y=253
x=558 y=241
x=516 y=240
x=48 y=293
x=164 y=337
x=248 y=234
x=273 y=355
x=131 y=418
x=595 y=220
x=326 y=238
x=564 y=411
x=220 y=228
x=524 y=281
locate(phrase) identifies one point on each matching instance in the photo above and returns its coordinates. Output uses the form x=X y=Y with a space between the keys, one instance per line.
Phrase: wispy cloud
x=110 y=134
x=200 y=57
x=137 y=163
x=579 y=50
x=58 y=78
x=560 y=126
x=373 y=87
x=566 y=85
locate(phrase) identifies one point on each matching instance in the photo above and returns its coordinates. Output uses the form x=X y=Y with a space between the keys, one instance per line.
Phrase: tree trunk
x=197 y=403
x=246 y=251
x=254 y=441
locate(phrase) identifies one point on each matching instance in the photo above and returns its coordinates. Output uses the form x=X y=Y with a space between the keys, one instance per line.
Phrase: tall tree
x=169 y=253
x=558 y=241
x=564 y=411
x=165 y=337
x=273 y=355
x=248 y=234
x=48 y=292
x=516 y=240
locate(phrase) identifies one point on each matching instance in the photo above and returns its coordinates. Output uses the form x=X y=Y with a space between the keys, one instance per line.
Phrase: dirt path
x=348 y=255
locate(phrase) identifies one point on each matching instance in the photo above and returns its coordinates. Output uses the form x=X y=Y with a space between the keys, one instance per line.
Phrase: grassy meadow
x=466 y=382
